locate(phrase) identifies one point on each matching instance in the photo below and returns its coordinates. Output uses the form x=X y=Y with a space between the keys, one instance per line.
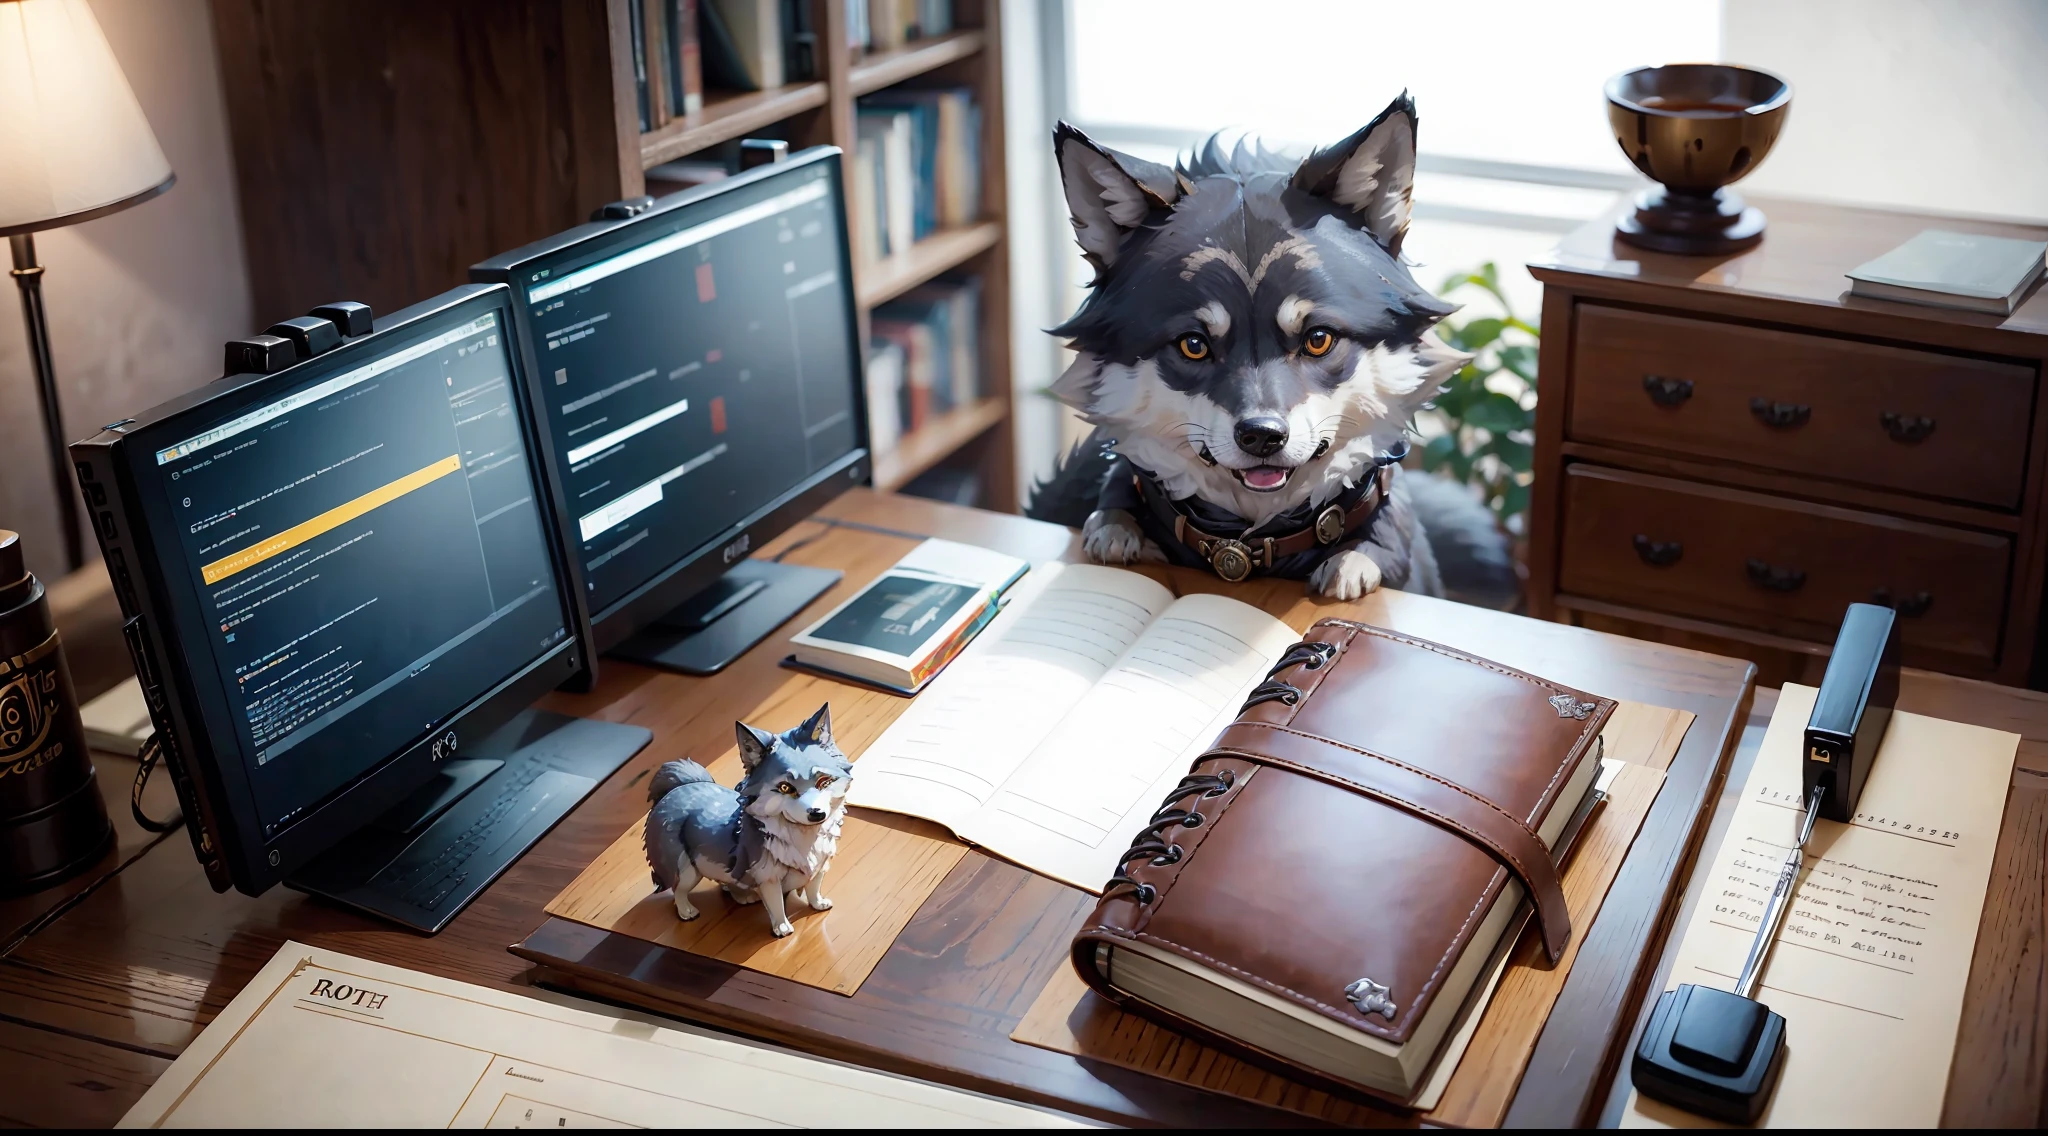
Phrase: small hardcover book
x=1953 y=270
x=903 y=628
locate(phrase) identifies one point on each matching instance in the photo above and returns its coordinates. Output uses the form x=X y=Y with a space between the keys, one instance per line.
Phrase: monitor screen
x=368 y=553
x=695 y=365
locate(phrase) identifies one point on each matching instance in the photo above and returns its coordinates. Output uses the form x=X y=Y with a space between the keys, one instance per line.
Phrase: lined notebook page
x=1072 y=806
x=968 y=732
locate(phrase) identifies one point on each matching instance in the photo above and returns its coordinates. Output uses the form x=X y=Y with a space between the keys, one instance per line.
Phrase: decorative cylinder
x=53 y=823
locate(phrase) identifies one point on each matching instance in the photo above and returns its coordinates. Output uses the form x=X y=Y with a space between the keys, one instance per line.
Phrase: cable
x=152 y=752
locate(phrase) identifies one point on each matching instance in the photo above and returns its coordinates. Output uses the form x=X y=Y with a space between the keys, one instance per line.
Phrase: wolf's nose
x=1261 y=437
x=817 y=815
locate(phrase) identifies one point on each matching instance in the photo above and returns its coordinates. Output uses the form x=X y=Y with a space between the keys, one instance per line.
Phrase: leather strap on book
x=1432 y=798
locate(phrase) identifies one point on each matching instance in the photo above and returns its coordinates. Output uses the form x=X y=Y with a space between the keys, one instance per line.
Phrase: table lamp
x=74 y=145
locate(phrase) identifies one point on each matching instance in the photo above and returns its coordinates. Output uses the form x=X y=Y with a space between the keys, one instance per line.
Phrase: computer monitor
x=697 y=372
x=343 y=584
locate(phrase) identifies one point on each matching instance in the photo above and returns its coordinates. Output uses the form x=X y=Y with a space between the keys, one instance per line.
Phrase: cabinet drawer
x=1786 y=567
x=1928 y=423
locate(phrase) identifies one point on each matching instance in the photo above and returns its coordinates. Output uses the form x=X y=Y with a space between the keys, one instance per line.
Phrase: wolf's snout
x=816 y=816
x=1261 y=437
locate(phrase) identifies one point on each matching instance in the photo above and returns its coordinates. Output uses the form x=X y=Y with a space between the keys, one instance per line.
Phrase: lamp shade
x=74 y=143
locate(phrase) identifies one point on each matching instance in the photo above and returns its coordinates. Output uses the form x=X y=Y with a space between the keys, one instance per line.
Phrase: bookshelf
x=979 y=435
x=400 y=148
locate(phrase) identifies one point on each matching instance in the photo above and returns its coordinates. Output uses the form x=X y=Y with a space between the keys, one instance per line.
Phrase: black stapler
x=1717 y=1053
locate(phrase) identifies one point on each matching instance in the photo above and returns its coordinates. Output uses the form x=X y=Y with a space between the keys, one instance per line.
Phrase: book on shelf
x=857 y=24
x=741 y=44
x=938 y=183
x=903 y=628
x=636 y=27
x=893 y=23
x=885 y=161
x=684 y=65
x=884 y=379
x=799 y=42
x=936 y=327
x=1941 y=269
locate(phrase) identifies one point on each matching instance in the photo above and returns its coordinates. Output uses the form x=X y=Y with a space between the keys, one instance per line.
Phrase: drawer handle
x=1780 y=415
x=1775 y=579
x=1912 y=607
x=1658 y=553
x=1667 y=392
x=1906 y=428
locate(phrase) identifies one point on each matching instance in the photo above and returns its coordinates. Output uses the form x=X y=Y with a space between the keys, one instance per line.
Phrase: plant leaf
x=1477 y=333
x=1513 y=500
x=1497 y=413
x=1438 y=450
x=1521 y=359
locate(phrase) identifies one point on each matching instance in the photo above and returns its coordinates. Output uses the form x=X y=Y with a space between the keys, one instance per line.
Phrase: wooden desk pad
x=1069 y=1018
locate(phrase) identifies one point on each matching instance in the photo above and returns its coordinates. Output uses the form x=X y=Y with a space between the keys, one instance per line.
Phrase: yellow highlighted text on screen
x=340 y=515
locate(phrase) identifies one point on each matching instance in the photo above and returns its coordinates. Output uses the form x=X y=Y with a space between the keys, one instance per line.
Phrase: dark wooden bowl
x=1696 y=128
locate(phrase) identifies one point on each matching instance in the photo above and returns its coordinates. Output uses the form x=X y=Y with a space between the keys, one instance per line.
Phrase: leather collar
x=1236 y=558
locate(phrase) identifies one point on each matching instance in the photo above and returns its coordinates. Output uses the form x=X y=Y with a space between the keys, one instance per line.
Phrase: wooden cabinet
x=1733 y=450
x=382 y=148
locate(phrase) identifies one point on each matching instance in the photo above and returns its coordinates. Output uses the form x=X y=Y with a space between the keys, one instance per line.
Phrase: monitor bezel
x=201 y=715
x=702 y=565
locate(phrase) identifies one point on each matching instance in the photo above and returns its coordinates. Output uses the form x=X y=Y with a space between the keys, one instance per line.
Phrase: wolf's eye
x=1193 y=346
x=1319 y=341
x=824 y=781
x=786 y=789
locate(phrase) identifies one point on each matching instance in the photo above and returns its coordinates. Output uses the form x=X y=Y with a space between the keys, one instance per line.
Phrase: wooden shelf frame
x=728 y=115
x=939 y=253
x=880 y=69
x=935 y=441
x=521 y=126
x=822 y=112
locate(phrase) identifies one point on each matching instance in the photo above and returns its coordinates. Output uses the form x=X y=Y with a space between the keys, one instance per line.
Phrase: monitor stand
x=430 y=854
x=719 y=624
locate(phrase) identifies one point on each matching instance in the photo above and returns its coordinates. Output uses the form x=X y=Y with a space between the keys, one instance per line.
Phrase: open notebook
x=1052 y=739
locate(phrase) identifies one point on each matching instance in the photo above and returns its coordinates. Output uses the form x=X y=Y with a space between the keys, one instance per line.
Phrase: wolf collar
x=1193 y=534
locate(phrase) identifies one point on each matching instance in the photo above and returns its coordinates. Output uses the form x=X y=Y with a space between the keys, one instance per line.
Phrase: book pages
x=1051 y=740
x=1066 y=625
x=320 y=1038
x=1869 y=966
x=1071 y=809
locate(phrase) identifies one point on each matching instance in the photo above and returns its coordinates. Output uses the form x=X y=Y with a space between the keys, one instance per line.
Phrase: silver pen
x=1781 y=898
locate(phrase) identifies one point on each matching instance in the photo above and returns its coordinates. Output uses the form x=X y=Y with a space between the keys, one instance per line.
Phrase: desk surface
x=100 y=998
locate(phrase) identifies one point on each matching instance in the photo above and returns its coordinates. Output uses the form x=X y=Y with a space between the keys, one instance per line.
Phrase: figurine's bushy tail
x=673 y=775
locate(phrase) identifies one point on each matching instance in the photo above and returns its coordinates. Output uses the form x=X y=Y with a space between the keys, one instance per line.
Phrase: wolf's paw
x=821 y=904
x=685 y=911
x=1112 y=536
x=1345 y=576
x=781 y=929
x=743 y=895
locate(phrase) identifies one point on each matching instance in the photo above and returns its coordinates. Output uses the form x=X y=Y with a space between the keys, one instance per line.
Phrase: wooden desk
x=95 y=1002
x=2000 y=1072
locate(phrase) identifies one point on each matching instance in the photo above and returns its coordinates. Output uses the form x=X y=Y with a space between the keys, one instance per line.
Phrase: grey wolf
x=1251 y=354
x=771 y=837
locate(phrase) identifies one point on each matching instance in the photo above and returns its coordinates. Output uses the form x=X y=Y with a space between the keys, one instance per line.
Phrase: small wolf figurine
x=1251 y=354
x=773 y=836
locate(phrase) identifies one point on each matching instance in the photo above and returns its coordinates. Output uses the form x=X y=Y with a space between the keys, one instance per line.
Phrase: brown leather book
x=1328 y=884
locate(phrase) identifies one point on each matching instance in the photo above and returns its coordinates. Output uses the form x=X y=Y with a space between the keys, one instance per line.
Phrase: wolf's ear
x=1371 y=173
x=817 y=729
x=754 y=744
x=1108 y=193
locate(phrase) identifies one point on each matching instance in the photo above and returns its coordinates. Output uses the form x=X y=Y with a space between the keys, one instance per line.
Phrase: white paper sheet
x=320 y=1038
x=1869 y=966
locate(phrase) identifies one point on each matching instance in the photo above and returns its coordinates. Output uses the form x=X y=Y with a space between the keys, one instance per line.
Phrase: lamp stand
x=28 y=275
